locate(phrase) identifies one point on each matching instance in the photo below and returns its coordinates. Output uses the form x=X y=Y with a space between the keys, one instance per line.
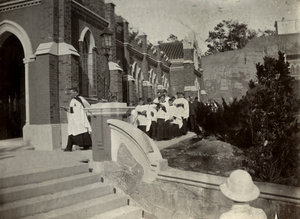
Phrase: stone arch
x=7 y=28
x=133 y=69
x=165 y=82
x=150 y=73
x=88 y=57
x=84 y=32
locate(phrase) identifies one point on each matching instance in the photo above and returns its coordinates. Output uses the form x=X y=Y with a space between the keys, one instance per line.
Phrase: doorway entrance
x=12 y=88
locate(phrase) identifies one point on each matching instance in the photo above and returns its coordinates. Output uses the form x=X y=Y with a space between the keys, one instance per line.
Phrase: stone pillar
x=101 y=136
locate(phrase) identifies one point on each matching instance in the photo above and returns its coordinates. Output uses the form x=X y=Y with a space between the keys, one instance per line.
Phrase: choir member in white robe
x=183 y=107
x=142 y=121
x=152 y=114
x=174 y=118
x=156 y=100
x=165 y=92
x=79 y=128
x=162 y=117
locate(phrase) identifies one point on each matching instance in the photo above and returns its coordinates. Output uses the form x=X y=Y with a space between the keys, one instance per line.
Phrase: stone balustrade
x=138 y=169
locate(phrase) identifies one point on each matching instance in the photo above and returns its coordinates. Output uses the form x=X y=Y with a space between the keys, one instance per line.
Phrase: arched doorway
x=12 y=87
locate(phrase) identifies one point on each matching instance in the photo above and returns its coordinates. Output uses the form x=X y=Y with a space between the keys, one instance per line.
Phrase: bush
x=264 y=119
x=227 y=123
x=272 y=119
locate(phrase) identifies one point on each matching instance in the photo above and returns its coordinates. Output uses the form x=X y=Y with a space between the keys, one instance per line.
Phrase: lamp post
x=106 y=37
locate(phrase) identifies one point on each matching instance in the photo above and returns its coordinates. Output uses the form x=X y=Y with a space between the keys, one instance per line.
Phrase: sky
x=160 y=18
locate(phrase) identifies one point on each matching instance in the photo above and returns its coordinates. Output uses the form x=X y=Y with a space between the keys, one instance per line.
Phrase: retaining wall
x=180 y=194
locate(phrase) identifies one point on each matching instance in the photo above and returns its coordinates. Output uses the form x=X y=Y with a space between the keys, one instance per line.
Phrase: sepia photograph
x=155 y=109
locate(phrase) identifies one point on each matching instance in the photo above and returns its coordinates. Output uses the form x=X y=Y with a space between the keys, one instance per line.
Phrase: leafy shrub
x=264 y=119
x=272 y=119
x=227 y=123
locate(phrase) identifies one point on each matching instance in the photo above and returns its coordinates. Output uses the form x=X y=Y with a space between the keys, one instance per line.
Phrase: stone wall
x=167 y=199
x=177 y=194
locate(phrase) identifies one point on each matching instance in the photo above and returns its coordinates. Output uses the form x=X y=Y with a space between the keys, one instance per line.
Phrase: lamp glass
x=106 y=41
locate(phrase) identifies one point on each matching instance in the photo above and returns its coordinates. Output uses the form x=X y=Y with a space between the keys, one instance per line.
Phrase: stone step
x=128 y=212
x=52 y=201
x=18 y=193
x=85 y=209
x=43 y=175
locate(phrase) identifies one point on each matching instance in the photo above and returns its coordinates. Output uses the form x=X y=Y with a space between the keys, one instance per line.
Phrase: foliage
x=263 y=120
x=272 y=118
x=231 y=35
x=227 y=123
x=228 y=35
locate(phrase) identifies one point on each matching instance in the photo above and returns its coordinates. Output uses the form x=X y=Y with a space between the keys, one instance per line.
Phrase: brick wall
x=50 y=18
x=110 y=17
x=68 y=77
x=39 y=90
x=96 y=6
x=79 y=22
x=62 y=18
x=53 y=89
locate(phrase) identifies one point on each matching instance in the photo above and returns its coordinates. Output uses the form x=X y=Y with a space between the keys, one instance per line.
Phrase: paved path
x=18 y=159
x=164 y=144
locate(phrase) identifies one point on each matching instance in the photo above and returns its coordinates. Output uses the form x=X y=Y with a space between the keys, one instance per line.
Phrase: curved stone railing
x=139 y=170
x=141 y=147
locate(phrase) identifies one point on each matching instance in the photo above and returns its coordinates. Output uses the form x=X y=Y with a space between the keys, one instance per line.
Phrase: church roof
x=173 y=50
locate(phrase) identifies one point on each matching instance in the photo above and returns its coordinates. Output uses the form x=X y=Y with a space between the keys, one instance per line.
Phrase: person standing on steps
x=79 y=128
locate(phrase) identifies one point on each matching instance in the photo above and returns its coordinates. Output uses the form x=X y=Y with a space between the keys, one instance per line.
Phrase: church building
x=49 y=46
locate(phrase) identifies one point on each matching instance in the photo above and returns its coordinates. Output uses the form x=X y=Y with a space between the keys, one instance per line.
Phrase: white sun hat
x=240 y=187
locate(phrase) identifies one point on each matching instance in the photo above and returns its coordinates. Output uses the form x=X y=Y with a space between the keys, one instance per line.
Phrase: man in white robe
x=152 y=114
x=79 y=128
x=183 y=109
x=156 y=100
x=174 y=118
x=162 y=117
x=142 y=119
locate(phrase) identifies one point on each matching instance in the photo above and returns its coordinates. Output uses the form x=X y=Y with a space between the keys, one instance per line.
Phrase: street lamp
x=106 y=38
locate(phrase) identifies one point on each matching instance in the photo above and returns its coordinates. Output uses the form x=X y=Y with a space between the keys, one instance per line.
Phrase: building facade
x=185 y=68
x=46 y=47
x=49 y=46
x=146 y=68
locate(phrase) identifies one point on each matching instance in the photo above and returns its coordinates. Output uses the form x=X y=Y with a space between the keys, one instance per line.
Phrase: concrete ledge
x=267 y=190
x=56 y=49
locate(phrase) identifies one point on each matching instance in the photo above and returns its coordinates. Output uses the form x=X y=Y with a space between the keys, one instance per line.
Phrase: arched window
x=298 y=70
x=140 y=80
x=89 y=75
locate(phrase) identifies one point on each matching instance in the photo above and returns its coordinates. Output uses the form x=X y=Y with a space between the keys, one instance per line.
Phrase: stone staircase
x=69 y=192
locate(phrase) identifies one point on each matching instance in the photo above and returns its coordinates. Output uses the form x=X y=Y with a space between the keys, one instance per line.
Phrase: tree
x=228 y=35
x=272 y=109
x=263 y=122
